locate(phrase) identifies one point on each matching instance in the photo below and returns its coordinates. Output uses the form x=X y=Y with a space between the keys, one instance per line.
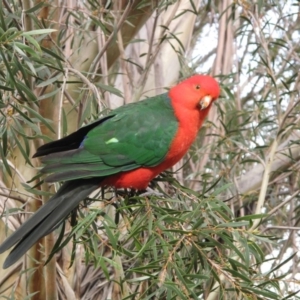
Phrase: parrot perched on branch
x=125 y=149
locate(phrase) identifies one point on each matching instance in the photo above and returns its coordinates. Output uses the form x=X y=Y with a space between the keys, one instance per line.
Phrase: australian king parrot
x=125 y=149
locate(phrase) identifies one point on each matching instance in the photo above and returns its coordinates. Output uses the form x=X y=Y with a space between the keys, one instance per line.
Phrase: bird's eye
x=197 y=87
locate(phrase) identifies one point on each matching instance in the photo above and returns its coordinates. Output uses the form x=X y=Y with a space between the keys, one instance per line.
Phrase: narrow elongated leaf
x=38 y=31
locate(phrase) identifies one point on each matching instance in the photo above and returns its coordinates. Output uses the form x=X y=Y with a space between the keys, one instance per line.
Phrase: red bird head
x=196 y=92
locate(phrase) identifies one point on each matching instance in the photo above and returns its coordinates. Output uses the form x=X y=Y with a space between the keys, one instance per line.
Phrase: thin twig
x=87 y=82
x=127 y=94
x=111 y=37
x=60 y=103
x=13 y=197
x=282 y=227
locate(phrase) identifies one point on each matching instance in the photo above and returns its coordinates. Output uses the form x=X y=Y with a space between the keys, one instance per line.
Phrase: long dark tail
x=47 y=217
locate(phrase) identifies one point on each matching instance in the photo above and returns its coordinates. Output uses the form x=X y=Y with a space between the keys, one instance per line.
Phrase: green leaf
x=109 y=88
x=233 y=224
x=33 y=191
x=265 y=293
x=252 y=217
x=6 y=88
x=49 y=81
x=38 y=31
x=39 y=117
x=238 y=275
x=4 y=161
x=282 y=263
x=20 y=147
x=221 y=189
x=232 y=246
x=52 y=53
x=19 y=47
x=35 y=44
x=36 y=7
x=112 y=237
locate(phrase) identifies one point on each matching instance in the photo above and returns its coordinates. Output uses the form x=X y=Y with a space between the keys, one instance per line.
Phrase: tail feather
x=47 y=217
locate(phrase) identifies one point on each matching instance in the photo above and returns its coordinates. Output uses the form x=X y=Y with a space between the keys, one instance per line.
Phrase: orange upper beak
x=205 y=102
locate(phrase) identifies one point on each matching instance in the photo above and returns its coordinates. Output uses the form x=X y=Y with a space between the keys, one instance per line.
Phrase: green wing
x=132 y=136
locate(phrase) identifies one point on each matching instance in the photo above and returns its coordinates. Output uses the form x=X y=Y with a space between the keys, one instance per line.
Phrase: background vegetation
x=226 y=224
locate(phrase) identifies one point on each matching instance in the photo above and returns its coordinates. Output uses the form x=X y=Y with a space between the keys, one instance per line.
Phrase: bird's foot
x=151 y=192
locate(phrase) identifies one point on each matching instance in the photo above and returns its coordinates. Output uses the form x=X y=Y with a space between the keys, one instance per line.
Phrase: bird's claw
x=151 y=192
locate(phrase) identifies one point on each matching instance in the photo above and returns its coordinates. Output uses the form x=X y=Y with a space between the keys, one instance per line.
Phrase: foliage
x=177 y=246
x=228 y=226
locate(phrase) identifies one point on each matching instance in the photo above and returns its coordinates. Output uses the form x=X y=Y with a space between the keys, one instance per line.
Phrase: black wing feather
x=69 y=142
